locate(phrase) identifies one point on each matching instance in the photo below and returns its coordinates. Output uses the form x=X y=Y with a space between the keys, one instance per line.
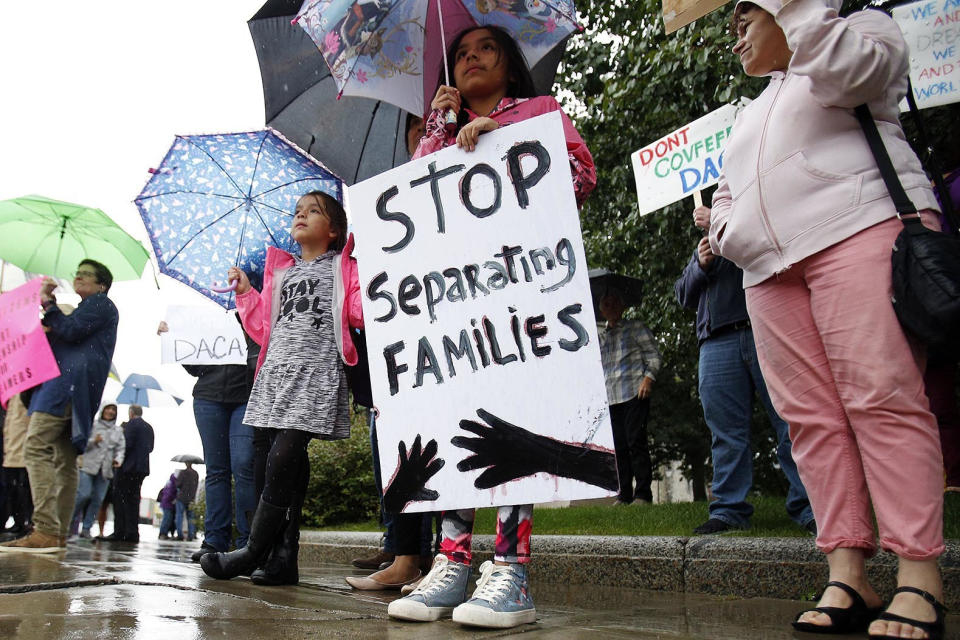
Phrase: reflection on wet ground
x=152 y=591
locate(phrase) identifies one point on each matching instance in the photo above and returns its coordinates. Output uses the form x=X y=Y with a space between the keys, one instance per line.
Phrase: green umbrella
x=47 y=236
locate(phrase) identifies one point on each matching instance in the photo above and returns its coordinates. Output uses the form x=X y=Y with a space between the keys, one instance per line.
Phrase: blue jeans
x=184 y=508
x=90 y=492
x=166 y=523
x=227 y=449
x=729 y=376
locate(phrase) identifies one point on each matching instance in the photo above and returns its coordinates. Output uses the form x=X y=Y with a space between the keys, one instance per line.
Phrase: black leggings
x=288 y=468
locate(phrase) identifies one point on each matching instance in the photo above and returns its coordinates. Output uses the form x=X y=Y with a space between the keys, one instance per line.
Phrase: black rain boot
x=267 y=521
x=281 y=566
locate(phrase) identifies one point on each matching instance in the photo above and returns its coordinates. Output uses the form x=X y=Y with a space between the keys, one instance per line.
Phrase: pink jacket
x=259 y=312
x=509 y=111
x=797 y=174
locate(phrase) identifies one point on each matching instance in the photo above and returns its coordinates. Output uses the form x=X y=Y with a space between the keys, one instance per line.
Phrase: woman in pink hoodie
x=302 y=321
x=802 y=209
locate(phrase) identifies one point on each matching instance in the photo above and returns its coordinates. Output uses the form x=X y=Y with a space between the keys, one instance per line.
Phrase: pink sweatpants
x=842 y=373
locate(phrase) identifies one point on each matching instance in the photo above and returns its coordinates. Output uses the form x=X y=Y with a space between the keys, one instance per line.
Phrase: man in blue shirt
x=729 y=376
x=62 y=409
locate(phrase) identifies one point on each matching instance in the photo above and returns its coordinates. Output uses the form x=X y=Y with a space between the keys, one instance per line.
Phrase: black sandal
x=935 y=629
x=855 y=618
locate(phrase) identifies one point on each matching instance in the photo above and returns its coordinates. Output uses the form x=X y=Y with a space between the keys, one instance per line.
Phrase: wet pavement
x=152 y=591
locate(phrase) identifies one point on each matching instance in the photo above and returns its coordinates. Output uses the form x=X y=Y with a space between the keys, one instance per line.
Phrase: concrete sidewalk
x=152 y=591
x=788 y=568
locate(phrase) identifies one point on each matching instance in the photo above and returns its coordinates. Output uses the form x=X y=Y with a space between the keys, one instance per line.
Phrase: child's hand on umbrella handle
x=448 y=100
x=238 y=281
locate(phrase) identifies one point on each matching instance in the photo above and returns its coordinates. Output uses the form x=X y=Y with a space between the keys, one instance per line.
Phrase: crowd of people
x=800 y=227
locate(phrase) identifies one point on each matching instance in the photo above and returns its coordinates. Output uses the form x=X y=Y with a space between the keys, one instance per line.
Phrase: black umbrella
x=187 y=457
x=355 y=137
x=603 y=282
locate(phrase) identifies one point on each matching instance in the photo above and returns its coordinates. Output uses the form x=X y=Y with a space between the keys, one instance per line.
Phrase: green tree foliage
x=341 y=485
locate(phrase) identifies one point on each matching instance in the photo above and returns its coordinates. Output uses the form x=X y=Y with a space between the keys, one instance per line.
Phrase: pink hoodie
x=510 y=111
x=259 y=311
x=797 y=174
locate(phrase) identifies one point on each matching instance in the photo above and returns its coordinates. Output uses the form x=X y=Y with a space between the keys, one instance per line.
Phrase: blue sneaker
x=442 y=589
x=502 y=599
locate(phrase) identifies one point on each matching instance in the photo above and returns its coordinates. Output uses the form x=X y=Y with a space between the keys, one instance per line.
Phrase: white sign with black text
x=484 y=358
x=200 y=335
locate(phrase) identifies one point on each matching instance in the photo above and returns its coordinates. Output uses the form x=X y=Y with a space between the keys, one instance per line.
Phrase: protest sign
x=201 y=335
x=680 y=13
x=683 y=162
x=484 y=360
x=932 y=31
x=25 y=356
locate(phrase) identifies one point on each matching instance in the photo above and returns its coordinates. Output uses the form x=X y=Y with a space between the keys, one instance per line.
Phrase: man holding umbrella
x=631 y=361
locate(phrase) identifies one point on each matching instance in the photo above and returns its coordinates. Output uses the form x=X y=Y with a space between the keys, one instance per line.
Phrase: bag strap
x=900 y=199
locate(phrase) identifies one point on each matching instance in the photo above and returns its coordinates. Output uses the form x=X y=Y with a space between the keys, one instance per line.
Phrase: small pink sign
x=25 y=356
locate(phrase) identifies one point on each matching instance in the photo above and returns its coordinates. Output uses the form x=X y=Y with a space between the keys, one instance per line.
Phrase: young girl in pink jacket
x=302 y=320
x=492 y=88
x=802 y=209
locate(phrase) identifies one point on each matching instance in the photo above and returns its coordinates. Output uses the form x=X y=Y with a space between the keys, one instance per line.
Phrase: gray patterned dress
x=301 y=384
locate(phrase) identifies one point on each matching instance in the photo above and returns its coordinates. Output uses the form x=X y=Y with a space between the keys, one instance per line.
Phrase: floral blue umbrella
x=393 y=50
x=218 y=201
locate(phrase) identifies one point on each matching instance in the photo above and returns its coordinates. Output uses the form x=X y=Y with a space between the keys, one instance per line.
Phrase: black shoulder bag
x=926 y=263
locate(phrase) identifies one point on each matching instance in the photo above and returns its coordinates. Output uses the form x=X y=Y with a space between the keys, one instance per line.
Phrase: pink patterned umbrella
x=393 y=50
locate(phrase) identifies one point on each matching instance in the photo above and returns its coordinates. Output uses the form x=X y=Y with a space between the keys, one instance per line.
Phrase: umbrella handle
x=227 y=289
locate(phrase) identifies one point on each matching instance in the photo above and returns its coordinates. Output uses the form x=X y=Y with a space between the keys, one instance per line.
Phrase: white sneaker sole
x=404 y=609
x=475 y=616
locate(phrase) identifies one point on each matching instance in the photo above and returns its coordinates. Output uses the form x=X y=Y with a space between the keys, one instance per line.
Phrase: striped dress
x=301 y=384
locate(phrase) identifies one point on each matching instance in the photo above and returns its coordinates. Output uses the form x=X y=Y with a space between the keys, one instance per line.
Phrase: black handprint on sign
x=413 y=471
x=508 y=452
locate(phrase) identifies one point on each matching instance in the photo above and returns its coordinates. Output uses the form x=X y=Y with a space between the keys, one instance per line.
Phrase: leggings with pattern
x=513 y=534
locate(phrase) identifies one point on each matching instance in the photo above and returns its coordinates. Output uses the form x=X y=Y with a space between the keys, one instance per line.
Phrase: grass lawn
x=769 y=520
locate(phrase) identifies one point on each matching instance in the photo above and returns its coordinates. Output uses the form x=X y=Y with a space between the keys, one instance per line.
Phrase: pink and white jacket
x=797 y=174
x=512 y=110
x=259 y=311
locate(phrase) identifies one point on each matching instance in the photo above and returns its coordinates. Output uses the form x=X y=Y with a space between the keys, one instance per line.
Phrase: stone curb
x=786 y=568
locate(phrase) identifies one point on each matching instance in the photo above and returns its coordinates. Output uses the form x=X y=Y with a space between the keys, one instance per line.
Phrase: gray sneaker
x=437 y=594
x=502 y=599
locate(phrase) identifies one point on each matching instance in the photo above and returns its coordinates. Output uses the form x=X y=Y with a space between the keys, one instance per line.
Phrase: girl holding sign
x=302 y=320
x=492 y=88
x=803 y=210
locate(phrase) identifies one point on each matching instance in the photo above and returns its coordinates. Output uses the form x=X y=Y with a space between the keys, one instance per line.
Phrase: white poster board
x=932 y=31
x=202 y=335
x=684 y=161
x=480 y=328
